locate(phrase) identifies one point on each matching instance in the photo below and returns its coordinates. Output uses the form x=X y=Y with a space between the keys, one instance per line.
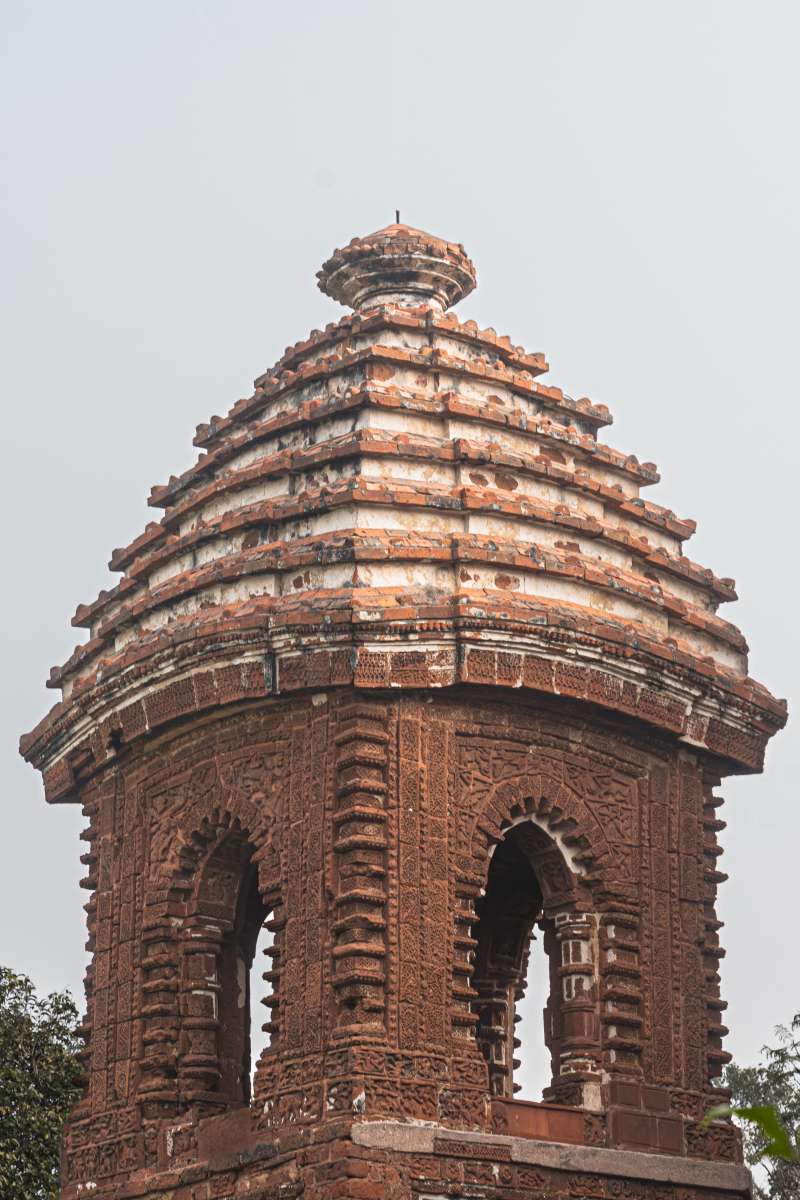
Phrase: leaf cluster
x=766 y=1100
x=38 y=1070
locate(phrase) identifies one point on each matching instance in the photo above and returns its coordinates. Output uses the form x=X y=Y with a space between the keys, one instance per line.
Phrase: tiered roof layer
x=402 y=502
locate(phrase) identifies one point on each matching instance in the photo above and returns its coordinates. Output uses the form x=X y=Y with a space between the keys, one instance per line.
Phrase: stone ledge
x=629 y=1164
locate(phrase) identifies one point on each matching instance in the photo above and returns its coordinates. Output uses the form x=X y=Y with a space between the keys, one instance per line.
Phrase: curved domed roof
x=402 y=502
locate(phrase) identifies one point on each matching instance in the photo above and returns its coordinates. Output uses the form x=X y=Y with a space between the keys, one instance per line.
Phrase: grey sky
x=625 y=176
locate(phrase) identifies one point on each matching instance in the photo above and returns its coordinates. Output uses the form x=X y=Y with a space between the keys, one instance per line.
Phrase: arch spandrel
x=206 y=800
x=552 y=805
x=566 y=782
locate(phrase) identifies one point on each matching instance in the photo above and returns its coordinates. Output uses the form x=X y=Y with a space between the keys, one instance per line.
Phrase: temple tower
x=409 y=673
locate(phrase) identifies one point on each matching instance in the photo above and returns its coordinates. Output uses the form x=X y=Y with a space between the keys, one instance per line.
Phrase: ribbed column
x=160 y=998
x=463 y=1016
x=570 y=942
x=621 y=991
x=200 y=1004
x=360 y=848
x=158 y=1083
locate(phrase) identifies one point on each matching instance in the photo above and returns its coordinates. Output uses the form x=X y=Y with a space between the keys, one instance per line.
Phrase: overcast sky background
x=625 y=177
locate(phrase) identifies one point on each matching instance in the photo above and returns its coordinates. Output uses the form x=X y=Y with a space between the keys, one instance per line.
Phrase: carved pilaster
x=464 y=1018
x=621 y=991
x=158 y=1070
x=198 y=1057
x=360 y=844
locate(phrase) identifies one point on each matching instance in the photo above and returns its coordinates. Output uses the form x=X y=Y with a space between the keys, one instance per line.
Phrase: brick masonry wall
x=371 y=818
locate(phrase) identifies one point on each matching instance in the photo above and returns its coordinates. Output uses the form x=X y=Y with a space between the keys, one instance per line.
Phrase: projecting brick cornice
x=201 y=667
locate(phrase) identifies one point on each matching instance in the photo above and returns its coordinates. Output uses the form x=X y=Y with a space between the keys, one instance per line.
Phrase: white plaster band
x=630 y=1164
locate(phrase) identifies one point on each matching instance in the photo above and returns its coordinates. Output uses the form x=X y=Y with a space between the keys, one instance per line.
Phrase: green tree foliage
x=766 y=1101
x=38 y=1069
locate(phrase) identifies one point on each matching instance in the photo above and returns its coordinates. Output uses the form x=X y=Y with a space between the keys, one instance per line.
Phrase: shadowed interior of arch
x=515 y=942
x=229 y=894
x=248 y=1015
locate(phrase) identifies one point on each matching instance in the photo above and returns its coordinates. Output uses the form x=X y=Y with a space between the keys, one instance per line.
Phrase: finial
x=398 y=266
x=397 y=216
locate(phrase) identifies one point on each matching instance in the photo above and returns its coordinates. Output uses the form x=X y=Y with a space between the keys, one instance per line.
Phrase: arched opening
x=239 y=1000
x=224 y=934
x=519 y=1028
x=507 y=911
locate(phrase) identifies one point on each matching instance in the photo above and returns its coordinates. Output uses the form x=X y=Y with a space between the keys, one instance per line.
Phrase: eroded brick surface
x=405 y=638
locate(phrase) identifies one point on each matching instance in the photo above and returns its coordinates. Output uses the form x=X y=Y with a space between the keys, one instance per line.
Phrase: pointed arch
x=536 y=852
x=556 y=808
x=225 y=913
x=210 y=890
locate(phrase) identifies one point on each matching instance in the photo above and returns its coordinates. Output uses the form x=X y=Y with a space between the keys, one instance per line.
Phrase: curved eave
x=253 y=653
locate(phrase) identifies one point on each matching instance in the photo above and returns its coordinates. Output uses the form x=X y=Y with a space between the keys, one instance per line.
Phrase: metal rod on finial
x=397 y=216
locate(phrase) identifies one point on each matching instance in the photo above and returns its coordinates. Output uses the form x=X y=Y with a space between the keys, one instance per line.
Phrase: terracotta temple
x=409 y=674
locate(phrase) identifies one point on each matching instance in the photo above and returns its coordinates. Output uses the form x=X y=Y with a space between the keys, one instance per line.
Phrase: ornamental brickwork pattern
x=406 y=670
x=371 y=823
